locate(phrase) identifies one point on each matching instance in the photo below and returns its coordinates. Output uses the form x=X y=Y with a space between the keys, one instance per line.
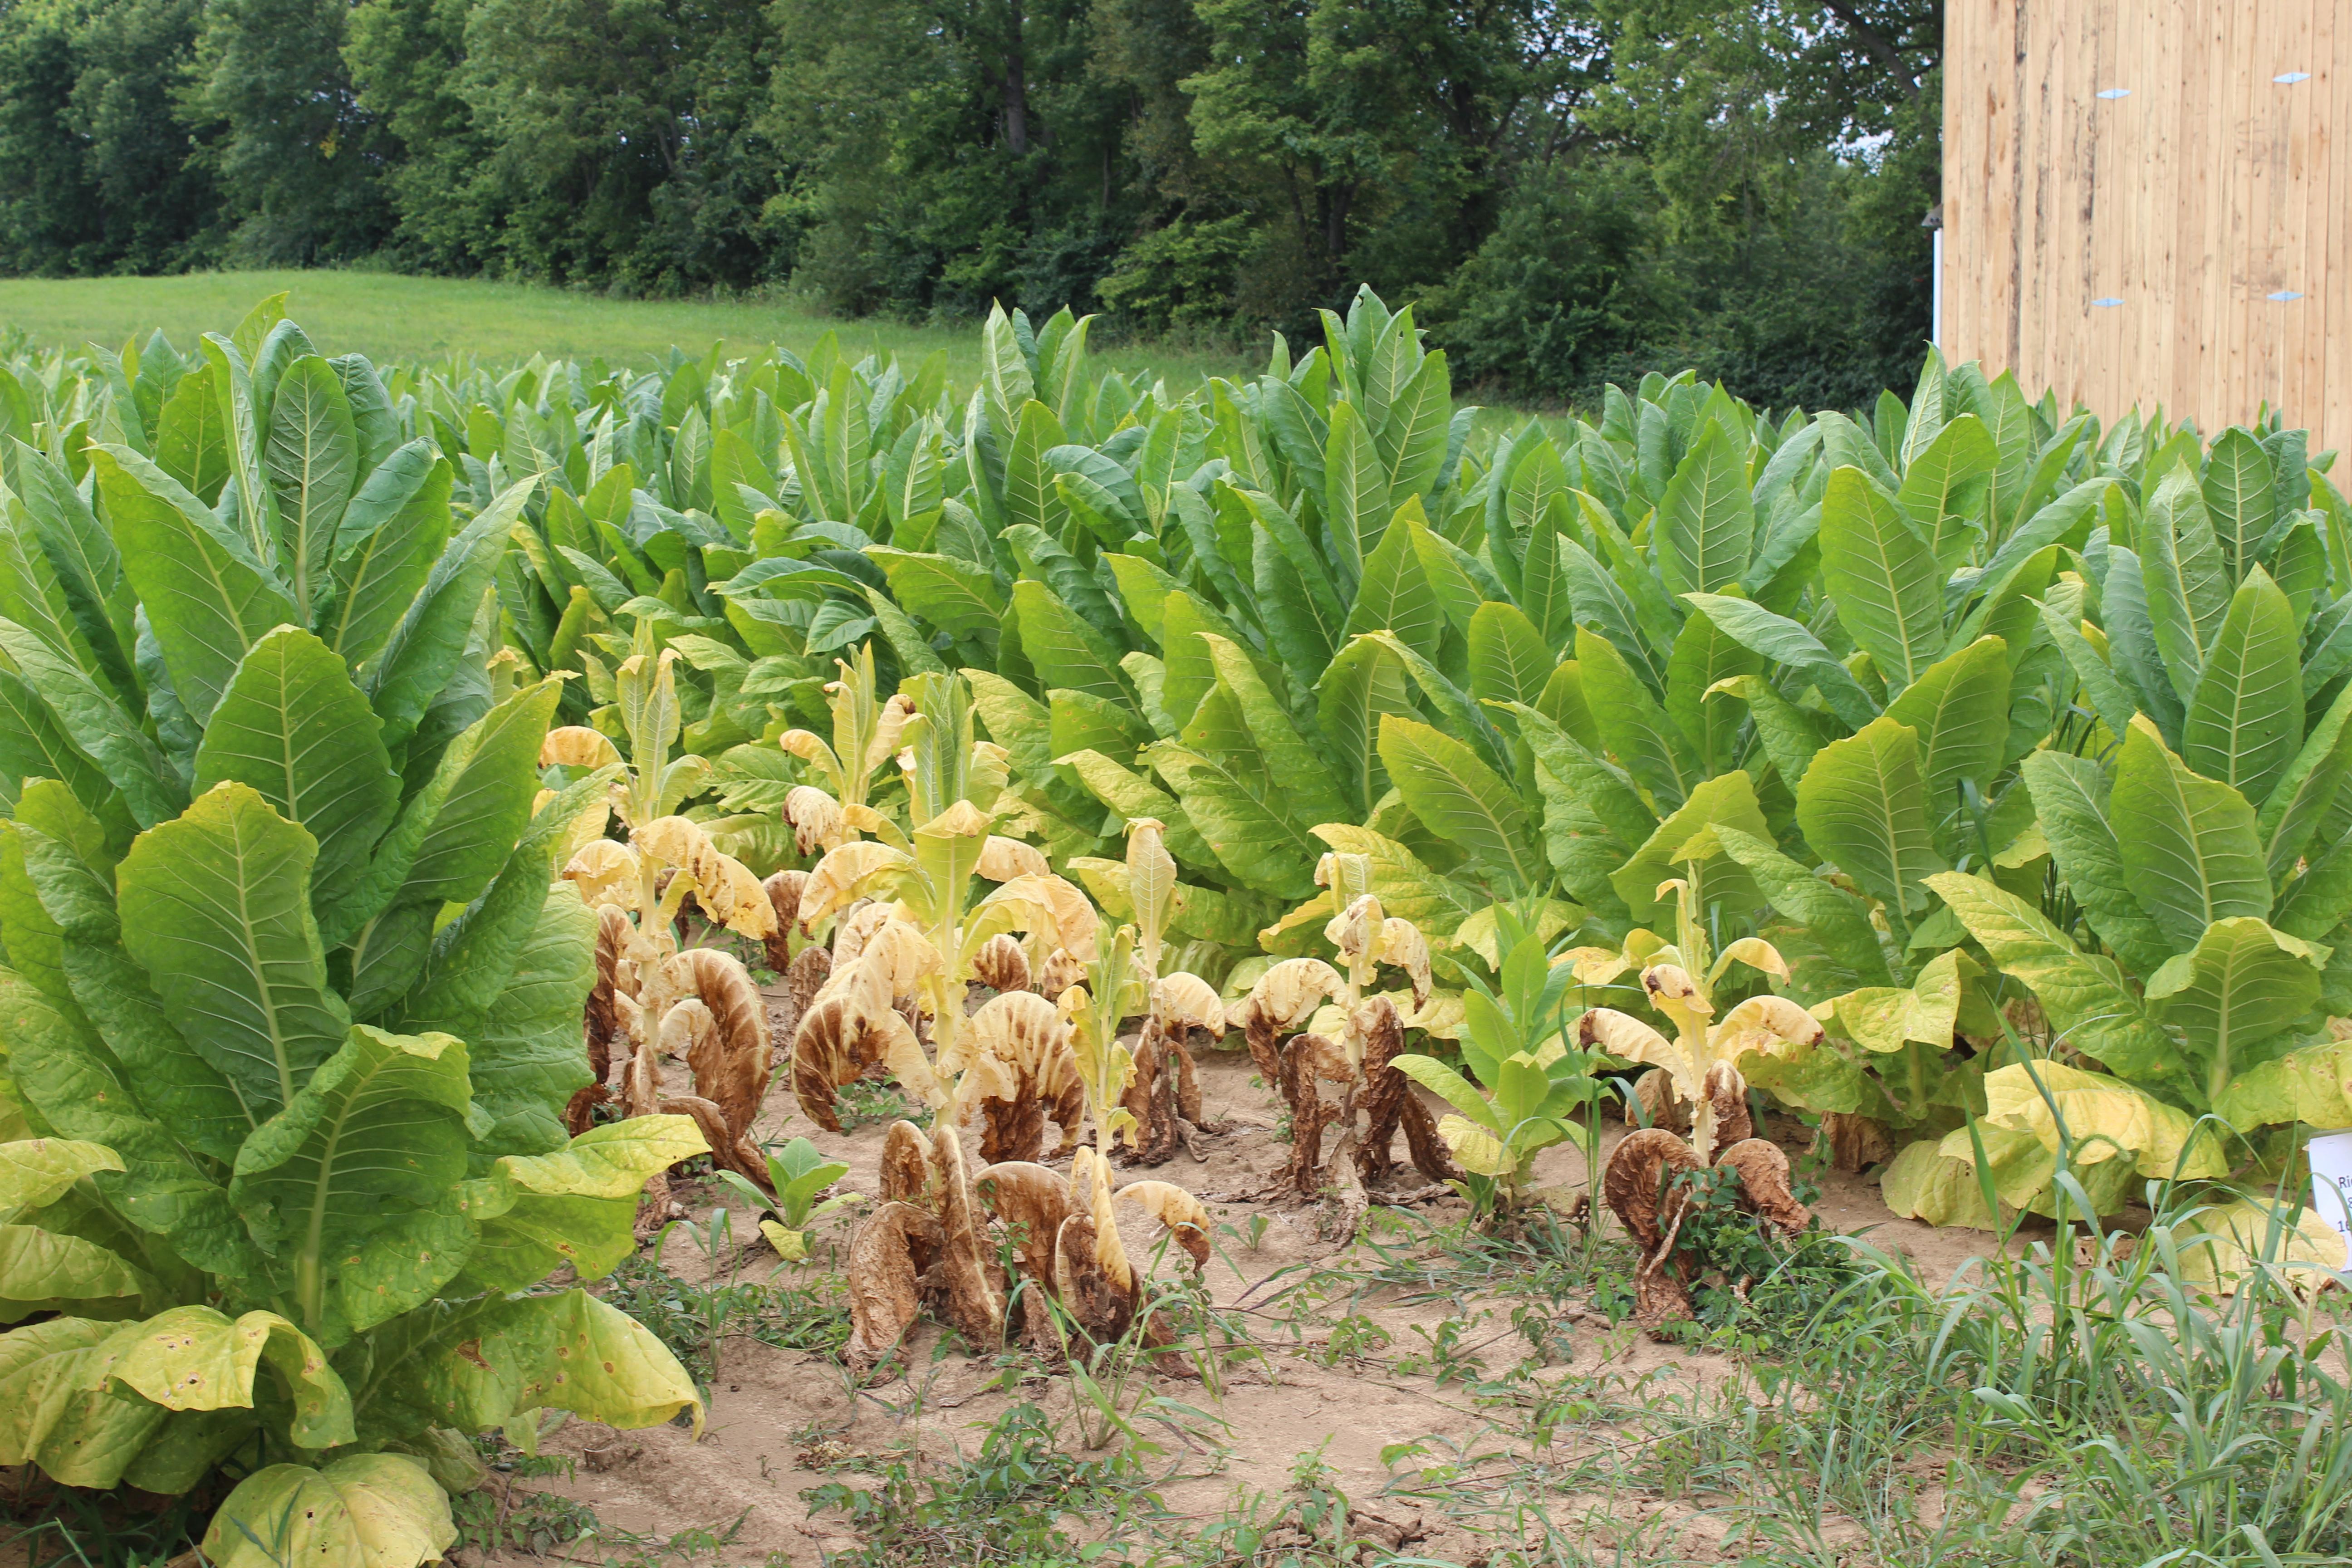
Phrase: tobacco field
x=780 y=960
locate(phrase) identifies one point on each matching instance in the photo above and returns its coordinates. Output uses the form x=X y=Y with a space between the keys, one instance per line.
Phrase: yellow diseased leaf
x=1477 y=1149
x=792 y=1246
x=2219 y=1243
x=1924 y=1183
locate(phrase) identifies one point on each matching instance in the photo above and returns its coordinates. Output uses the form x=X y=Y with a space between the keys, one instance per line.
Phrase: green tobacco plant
x=292 y=1012
x=797 y=1175
x=2201 y=975
x=1531 y=1084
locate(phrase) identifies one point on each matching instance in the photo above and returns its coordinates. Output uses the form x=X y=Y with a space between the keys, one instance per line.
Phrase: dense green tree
x=624 y=146
x=97 y=165
x=298 y=161
x=404 y=57
x=1571 y=191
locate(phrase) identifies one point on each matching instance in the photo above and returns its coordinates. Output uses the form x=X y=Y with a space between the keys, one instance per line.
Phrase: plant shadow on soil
x=1425 y=1395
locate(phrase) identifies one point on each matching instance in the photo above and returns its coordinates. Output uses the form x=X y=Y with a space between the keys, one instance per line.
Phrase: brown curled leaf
x=580 y=1112
x=729 y=895
x=1428 y=1150
x=606 y=873
x=1001 y=964
x=906 y=1170
x=728 y=1149
x=1150 y=1097
x=1101 y=1307
x=1854 y=1142
x=601 y=1019
x=1764 y=1187
x=576 y=746
x=1634 y=1182
x=815 y=819
x=1722 y=1117
x=1652 y=1102
x=1031 y=1201
x=1023 y=1035
x=784 y=890
x=1180 y=1213
x=731 y=1060
x=973 y=1302
x=835 y=1043
x=1063 y=970
x=888 y=1257
x=1376 y=1023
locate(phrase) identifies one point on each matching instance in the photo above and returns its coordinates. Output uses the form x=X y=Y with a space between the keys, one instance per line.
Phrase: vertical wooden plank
x=2330 y=187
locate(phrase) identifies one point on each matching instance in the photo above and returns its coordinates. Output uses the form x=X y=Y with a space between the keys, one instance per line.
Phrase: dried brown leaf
x=888 y=1255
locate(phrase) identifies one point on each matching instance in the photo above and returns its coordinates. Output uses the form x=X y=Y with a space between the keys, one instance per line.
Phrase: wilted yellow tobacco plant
x=866 y=731
x=651 y=999
x=1360 y=1061
x=1694 y=1081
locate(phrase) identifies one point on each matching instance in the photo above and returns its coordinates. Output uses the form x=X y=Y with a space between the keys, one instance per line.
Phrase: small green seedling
x=799 y=1173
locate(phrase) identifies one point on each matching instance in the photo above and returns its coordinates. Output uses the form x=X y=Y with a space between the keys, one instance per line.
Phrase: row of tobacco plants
x=1962 y=776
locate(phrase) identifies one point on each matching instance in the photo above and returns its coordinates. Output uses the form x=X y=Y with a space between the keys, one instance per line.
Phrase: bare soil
x=784 y=1422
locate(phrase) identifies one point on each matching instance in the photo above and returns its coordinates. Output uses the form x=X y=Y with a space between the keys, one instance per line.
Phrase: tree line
x=1572 y=190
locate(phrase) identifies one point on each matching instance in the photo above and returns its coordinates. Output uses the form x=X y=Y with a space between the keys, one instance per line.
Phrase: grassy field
x=388 y=317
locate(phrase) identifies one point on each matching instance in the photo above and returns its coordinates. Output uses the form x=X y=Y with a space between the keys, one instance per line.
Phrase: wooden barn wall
x=2186 y=239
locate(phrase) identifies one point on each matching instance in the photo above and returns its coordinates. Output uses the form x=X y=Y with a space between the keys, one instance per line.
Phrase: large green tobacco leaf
x=378 y=573
x=2245 y=716
x=955 y=595
x=1292 y=763
x=162 y=1188
x=1882 y=576
x=421 y=650
x=36 y=1172
x=56 y=1409
x=1945 y=487
x=1783 y=642
x=1685 y=840
x=2238 y=487
x=1065 y=650
x=1395 y=596
x=208 y=598
x=1645 y=742
x=487 y=803
x=312 y=461
x=1461 y=800
x=1363 y=683
x=46 y=1271
x=1241 y=812
x=525 y=1054
x=1356 y=496
x=1959 y=706
x=292 y=724
x=1706 y=523
x=2307 y=791
x=1832 y=918
x=2084 y=996
x=1703 y=655
x=475 y=1364
x=1863 y=805
x=2192 y=851
x=2237 y=995
x=96 y=725
x=2070 y=798
x=2188 y=582
x=216 y=907
x=367 y=1510
x=373 y=1142
x=576 y=1205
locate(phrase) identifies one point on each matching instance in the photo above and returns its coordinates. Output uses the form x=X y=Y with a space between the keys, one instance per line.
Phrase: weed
x=1003 y=1506
x=862 y=1102
x=1445 y=1356
x=124 y=1528
x=694 y=1319
x=1353 y=1339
